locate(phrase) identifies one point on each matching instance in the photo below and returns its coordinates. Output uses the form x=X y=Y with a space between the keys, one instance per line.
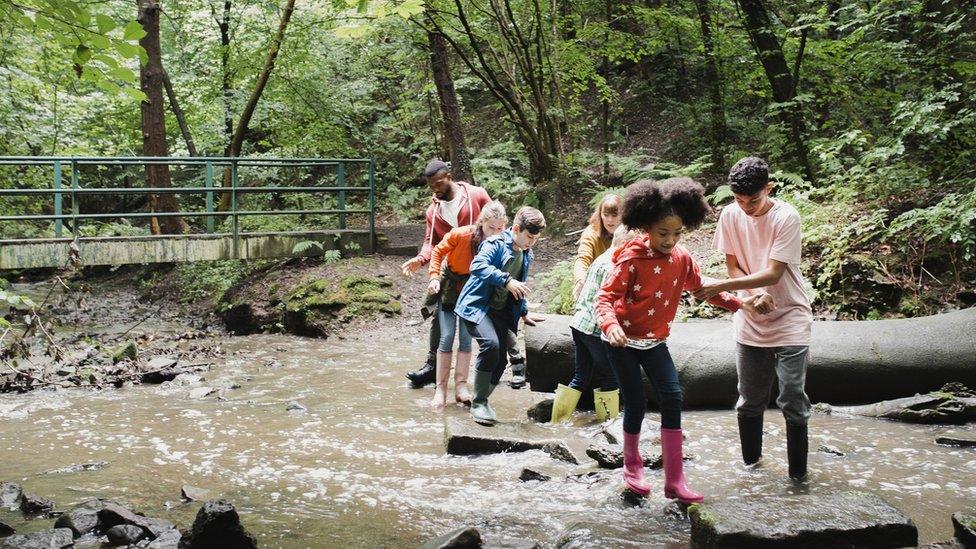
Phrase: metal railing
x=76 y=191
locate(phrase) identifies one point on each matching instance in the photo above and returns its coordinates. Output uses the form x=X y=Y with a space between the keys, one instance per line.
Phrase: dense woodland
x=866 y=110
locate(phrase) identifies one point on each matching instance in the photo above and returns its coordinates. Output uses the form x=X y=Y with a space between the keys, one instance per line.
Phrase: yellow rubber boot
x=606 y=404
x=564 y=404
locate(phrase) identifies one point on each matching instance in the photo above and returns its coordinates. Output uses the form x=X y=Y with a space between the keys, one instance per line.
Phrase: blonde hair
x=492 y=210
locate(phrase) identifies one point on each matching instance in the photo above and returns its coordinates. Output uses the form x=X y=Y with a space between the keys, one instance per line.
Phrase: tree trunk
x=718 y=128
x=453 y=130
x=269 y=62
x=153 y=118
x=174 y=104
x=770 y=54
x=227 y=91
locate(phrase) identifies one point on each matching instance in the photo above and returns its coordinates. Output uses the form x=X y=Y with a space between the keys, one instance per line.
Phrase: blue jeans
x=659 y=367
x=492 y=349
x=591 y=363
x=448 y=320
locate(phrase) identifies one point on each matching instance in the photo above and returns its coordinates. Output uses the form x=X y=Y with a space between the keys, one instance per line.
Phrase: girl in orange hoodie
x=635 y=308
x=458 y=247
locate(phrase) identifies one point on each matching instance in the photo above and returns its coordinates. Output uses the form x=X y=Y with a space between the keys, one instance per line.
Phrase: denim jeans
x=591 y=363
x=448 y=321
x=492 y=336
x=659 y=367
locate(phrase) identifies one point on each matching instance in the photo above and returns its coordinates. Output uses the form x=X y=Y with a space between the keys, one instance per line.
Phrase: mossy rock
x=309 y=307
x=128 y=350
x=3 y=283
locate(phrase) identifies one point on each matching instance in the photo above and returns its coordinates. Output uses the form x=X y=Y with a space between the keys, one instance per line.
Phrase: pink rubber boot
x=443 y=374
x=674 y=469
x=634 y=465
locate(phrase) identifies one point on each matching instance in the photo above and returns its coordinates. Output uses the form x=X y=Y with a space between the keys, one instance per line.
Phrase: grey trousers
x=756 y=366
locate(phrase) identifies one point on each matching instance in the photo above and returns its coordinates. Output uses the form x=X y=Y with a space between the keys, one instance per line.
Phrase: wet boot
x=750 y=437
x=606 y=404
x=426 y=375
x=634 y=465
x=564 y=404
x=443 y=374
x=518 y=375
x=674 y=469
x=483 y=387
x=796 y=450
x=461 y=370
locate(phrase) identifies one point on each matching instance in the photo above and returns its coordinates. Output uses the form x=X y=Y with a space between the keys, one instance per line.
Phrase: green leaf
x=133 y=31
x=108 y=85
x=135 y=94
x=107 y=59
x=100 y=42
x=105 y=23
x=123 y=74
x=127 y=50
x=409 y=8
x=82 y=54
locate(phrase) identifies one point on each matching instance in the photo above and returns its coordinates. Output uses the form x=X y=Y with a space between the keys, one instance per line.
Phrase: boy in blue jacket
x=494 y=299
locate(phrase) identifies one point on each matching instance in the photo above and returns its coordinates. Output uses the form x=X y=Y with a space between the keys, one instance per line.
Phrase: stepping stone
x=964 y=525
x=462 y=538
x=963 y=442
x=843 y=519
x=465 y=437
x=59 y=538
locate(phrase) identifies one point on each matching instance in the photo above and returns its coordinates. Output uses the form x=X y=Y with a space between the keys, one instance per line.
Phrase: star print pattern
x=638 y=298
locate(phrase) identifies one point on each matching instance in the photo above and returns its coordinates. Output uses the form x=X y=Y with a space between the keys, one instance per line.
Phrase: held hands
x=617 y=337
x=531 y=319
x=708 y=290
x=759 y=303
x=518 y=289
x=411 y=266
x=434 y=287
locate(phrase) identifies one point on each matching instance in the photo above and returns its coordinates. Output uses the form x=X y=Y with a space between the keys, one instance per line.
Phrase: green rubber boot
x=606 y=404
x=564 y=404
x=480 y=410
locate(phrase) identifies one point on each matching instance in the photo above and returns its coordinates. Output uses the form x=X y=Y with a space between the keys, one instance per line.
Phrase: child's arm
x=614 y=288
x=441 y=251
x=767 y=277
x=694 y=282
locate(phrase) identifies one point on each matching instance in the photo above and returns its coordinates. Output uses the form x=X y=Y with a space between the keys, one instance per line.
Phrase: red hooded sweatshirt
x=643 y=290
x=472 y=200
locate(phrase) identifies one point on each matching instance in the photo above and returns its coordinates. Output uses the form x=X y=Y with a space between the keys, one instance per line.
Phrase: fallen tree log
x=851 y=362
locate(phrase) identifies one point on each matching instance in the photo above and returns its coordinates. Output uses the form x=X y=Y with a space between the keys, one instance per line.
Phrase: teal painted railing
x=73 y=163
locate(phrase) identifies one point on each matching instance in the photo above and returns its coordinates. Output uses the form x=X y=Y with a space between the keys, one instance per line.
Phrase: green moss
x=128 y=350
x=353 y=296
x=3 y=283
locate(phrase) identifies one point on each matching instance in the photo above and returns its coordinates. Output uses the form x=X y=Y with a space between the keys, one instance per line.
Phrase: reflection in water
x=365 y=464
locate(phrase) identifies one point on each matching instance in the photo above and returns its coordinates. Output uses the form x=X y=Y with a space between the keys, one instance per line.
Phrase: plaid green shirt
x=584 y=313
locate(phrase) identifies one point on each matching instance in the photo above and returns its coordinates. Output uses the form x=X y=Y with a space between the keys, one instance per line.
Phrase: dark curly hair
x=647 y=202
x=749 y=175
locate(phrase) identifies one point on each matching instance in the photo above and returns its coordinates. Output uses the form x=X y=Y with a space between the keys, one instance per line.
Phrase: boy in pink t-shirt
x=761 y=242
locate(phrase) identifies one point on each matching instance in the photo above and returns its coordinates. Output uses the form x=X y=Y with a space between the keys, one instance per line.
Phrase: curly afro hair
x=647 y=202
x=749 y=176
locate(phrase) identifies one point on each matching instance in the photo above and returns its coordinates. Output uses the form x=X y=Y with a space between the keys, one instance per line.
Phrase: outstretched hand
x=411 y=266
x=531 y=319
x=708 y=290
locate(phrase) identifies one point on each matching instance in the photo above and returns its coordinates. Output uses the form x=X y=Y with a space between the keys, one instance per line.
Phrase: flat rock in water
x=202 y=392
x=462 y=538
x=964 y=526
x=58 y=538
x=10 y=494
x=610 y=457
x=963 y=442
x=6 y=530
x=295 y=407
x=191 y=493
x=91 y=466
x=464 y=438
x=832 y=450
x=529 y=474
x=170 y=539
x=613 y=431
x=594 y=534
x=835 y=520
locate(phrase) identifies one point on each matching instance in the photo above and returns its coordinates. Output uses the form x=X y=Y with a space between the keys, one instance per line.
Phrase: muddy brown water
x=365 y=465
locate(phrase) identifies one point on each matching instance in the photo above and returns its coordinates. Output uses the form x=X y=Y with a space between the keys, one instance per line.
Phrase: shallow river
x=365 y=464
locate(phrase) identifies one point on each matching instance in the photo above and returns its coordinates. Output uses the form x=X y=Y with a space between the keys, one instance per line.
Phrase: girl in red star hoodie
x=636 y=306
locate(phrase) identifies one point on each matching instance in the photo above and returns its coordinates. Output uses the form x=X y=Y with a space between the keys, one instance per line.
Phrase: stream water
x=365 y=464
